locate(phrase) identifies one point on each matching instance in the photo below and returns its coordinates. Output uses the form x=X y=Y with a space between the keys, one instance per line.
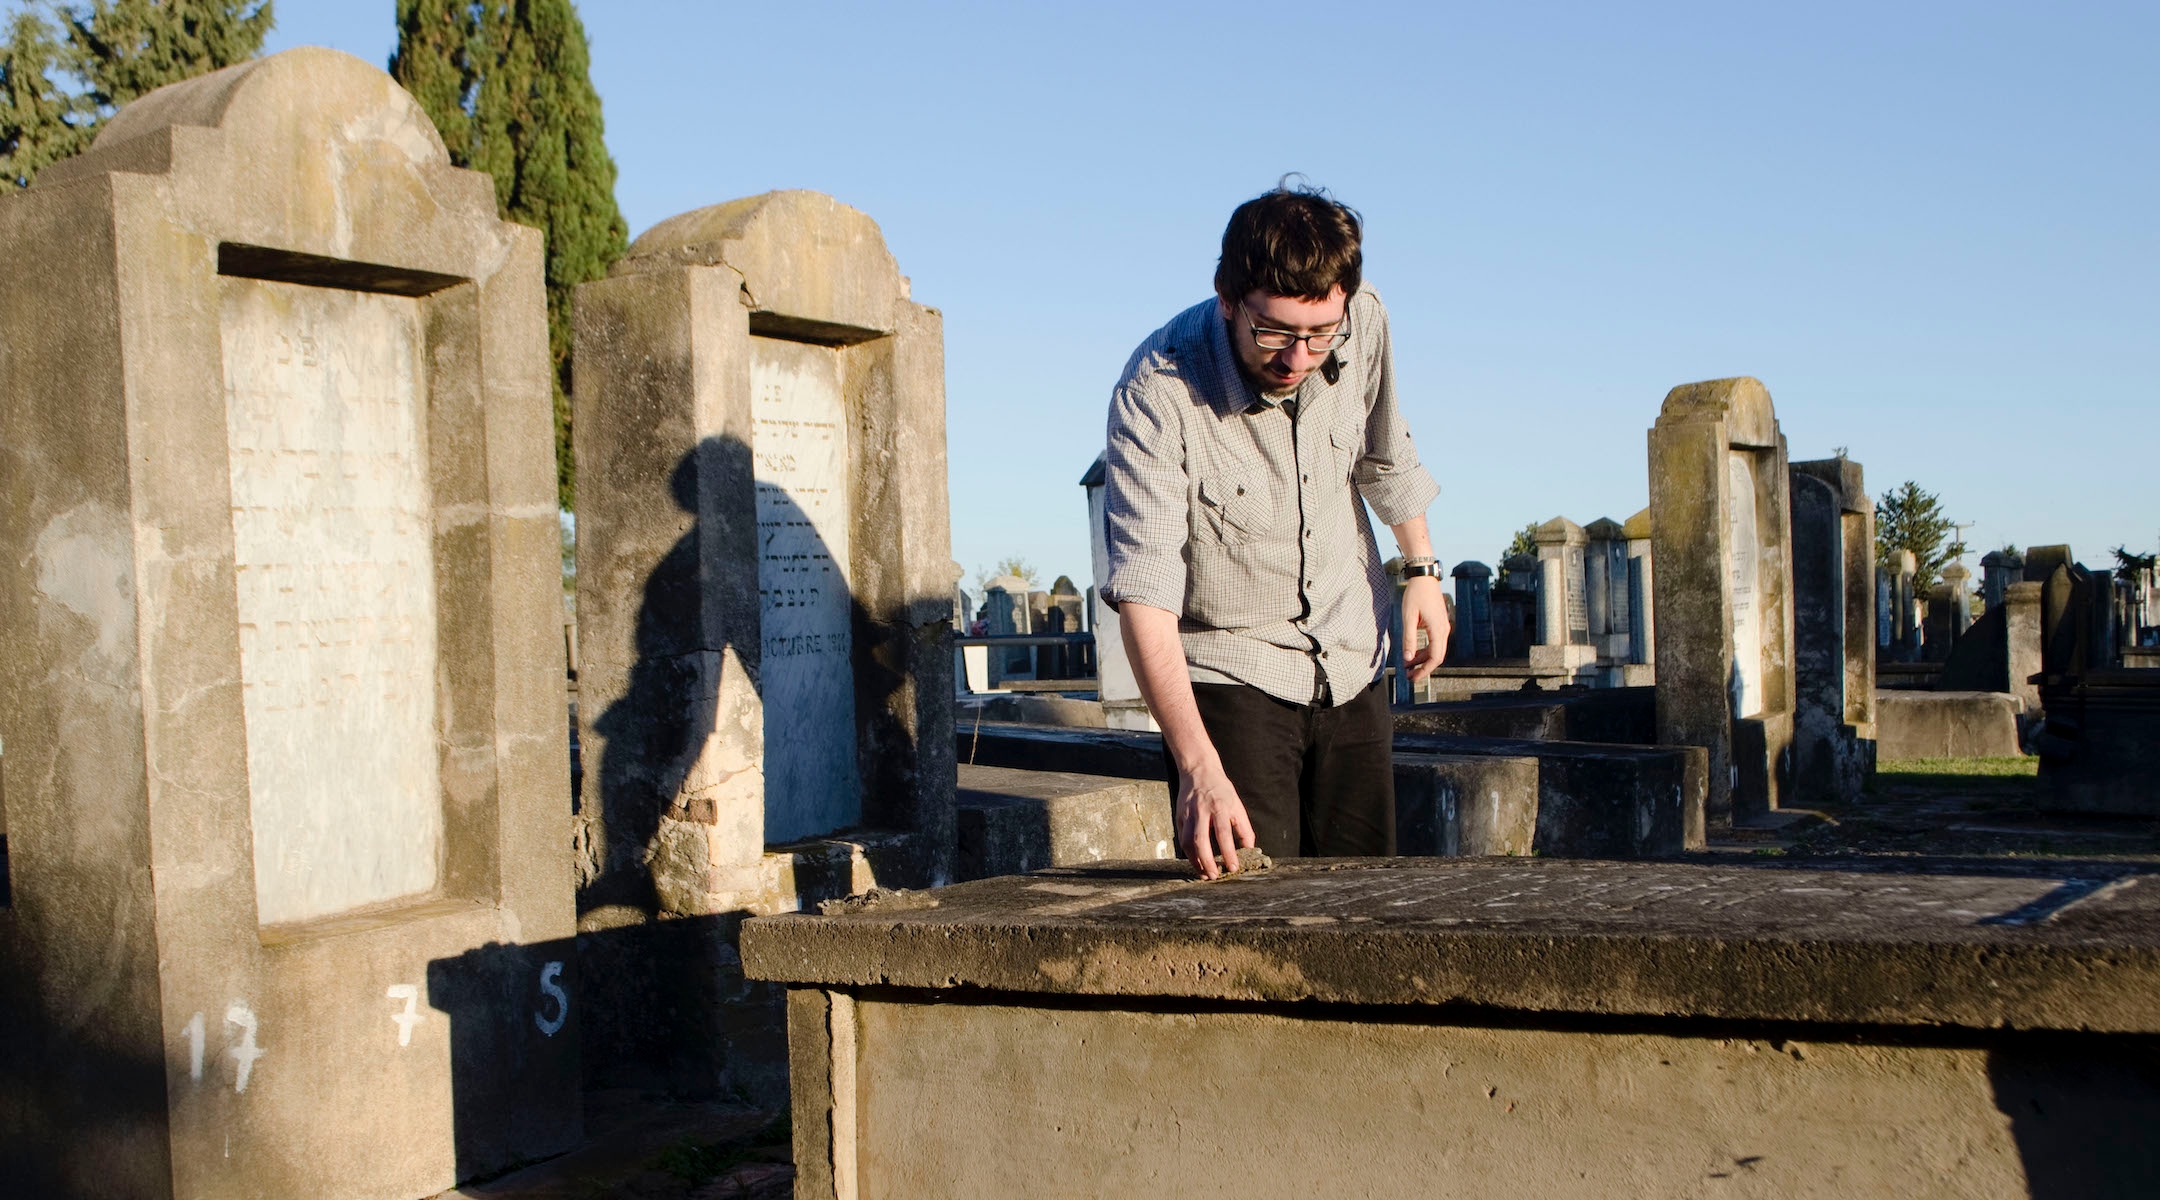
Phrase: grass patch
x=2021 y=767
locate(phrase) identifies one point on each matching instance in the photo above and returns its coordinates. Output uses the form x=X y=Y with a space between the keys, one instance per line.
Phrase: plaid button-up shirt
x=1246 y=516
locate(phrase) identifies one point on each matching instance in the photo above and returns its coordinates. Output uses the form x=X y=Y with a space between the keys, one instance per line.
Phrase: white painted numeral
x=246 y=1052
x=194 y=1031
x=412 y=1016
x=548 y=987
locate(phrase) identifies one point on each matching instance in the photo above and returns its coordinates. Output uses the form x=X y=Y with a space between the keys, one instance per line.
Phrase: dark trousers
x=1315 y=780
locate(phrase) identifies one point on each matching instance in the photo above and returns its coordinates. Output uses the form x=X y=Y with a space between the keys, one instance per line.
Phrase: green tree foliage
x=2129 y=561
x=509 y=87
x=59 y=85
x=1911 y=518
x=1525 y=542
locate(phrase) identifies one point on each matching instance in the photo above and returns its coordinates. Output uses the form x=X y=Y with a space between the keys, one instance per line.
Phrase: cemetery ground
x=1957 y=808
x=646 y=1146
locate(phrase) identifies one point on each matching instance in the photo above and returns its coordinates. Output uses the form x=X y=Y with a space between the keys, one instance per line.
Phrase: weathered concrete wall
x=275 y=425
x=2100 y=748
x=1112 y=1102
x=1946 y=725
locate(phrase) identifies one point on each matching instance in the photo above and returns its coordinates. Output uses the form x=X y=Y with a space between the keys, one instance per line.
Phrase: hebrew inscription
x=1741 y=570
x=808 y=676
x=333 y=561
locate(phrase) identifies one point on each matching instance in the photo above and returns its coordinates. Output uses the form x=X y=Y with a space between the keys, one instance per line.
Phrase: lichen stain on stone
x=1189 y=967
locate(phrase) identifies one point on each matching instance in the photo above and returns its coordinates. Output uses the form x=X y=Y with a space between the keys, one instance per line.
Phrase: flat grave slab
x=1481 y=1027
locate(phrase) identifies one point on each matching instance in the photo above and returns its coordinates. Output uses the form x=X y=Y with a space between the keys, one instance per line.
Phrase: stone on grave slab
x=1718 y=1008
x=1931 y=724
x=1627 y=715
x=1719 y=490
x=1014 y=821
x=765 y=572
x=285 y=695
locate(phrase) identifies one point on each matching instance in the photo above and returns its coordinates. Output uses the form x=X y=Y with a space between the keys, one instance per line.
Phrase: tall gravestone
x=1833 y=551
x=765 y=607
x=1641 y=591
x=284 y=697
x=1563 y=626
x=1472 y=634
x=1720 y=532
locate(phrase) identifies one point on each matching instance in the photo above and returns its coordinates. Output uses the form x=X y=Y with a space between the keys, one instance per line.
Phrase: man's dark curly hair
x=1295 y=240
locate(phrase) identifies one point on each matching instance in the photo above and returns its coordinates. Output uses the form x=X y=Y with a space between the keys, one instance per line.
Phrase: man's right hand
x=1211 y=820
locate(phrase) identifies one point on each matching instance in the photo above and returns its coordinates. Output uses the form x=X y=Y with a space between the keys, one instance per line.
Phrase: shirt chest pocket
x=1346 y=443
x=1234 y=511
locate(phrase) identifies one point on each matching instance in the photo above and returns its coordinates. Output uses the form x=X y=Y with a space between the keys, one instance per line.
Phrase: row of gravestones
x=299 y=900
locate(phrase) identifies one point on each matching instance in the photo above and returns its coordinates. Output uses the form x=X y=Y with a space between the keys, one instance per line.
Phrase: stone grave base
x=1585 y=799
x=1480 y=1028
x=1012 y=821
x=1946 y=724
x=2100 y=748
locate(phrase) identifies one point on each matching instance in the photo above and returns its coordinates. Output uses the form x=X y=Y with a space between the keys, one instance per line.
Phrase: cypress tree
x=508 y=84
x=112 y=51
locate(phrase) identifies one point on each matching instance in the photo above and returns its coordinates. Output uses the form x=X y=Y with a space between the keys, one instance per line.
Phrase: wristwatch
x=1414 y=567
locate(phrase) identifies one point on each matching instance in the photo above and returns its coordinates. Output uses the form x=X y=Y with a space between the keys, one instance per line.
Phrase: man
x=1246 y=439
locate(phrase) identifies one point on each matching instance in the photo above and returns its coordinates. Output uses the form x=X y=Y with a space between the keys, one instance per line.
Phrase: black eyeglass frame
x=1334 y=340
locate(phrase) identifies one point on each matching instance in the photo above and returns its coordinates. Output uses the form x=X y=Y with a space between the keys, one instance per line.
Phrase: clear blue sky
x=1930 y=229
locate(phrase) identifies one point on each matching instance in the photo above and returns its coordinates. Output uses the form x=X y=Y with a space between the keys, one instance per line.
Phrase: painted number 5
x=550 y=1026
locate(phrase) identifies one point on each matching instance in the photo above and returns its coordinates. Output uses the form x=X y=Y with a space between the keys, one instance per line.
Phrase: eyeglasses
x=1283 y=339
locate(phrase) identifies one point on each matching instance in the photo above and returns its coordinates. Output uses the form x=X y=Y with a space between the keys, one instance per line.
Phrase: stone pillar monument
x=1606 y=559
x=1998 y=570
x=1959 y=582
x=764 y=595
x=1903 y=571
x=1833 y=548
x=1642 y=641
x=1563 y=641
x=1719 y=526
x=284 y=699
x=1473 y=636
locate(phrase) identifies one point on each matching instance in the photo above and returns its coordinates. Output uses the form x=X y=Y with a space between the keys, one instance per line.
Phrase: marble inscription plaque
x=1578 y=607
x=334 y=566
x=1742 y=552
x=808 y=677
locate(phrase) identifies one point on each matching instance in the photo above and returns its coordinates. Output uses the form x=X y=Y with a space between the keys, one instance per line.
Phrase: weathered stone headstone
x=1642 y=641
x=1998 y=570
x=765 y=589
x=1563 y=627
x=1718 y=496
x=1006 y=612
x=1473 y=631
x=284 y=699
x=1906 y=621
x=1833 y=549
x=1606 y=561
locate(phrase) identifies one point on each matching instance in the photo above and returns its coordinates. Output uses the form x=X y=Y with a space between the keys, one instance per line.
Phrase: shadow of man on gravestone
x=667 y=1004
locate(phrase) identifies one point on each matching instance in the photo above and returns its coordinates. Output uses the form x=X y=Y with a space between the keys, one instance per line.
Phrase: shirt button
x=1308 y=533
x=1306 y=478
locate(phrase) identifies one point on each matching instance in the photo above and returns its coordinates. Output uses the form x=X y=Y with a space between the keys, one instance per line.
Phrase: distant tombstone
x=1515 y=608
x=1904 y=571
x=1473 y=631
x=764 y=586
x=1958 y=580
x=1563 y=631
x=1605 y=557
x=1998 y=570
x=1718 y=495
x=1007 y=612
x=1833 y=554
x=284 y=694
x=1640 y=592
x=2041 y=561
x=1885 y=612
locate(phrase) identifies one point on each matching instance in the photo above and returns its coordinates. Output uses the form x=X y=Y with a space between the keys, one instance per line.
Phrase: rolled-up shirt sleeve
x=1145 y=495
x=1389 y=476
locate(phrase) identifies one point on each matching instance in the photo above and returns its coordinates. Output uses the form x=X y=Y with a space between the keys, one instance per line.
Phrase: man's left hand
x=1424 y=606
